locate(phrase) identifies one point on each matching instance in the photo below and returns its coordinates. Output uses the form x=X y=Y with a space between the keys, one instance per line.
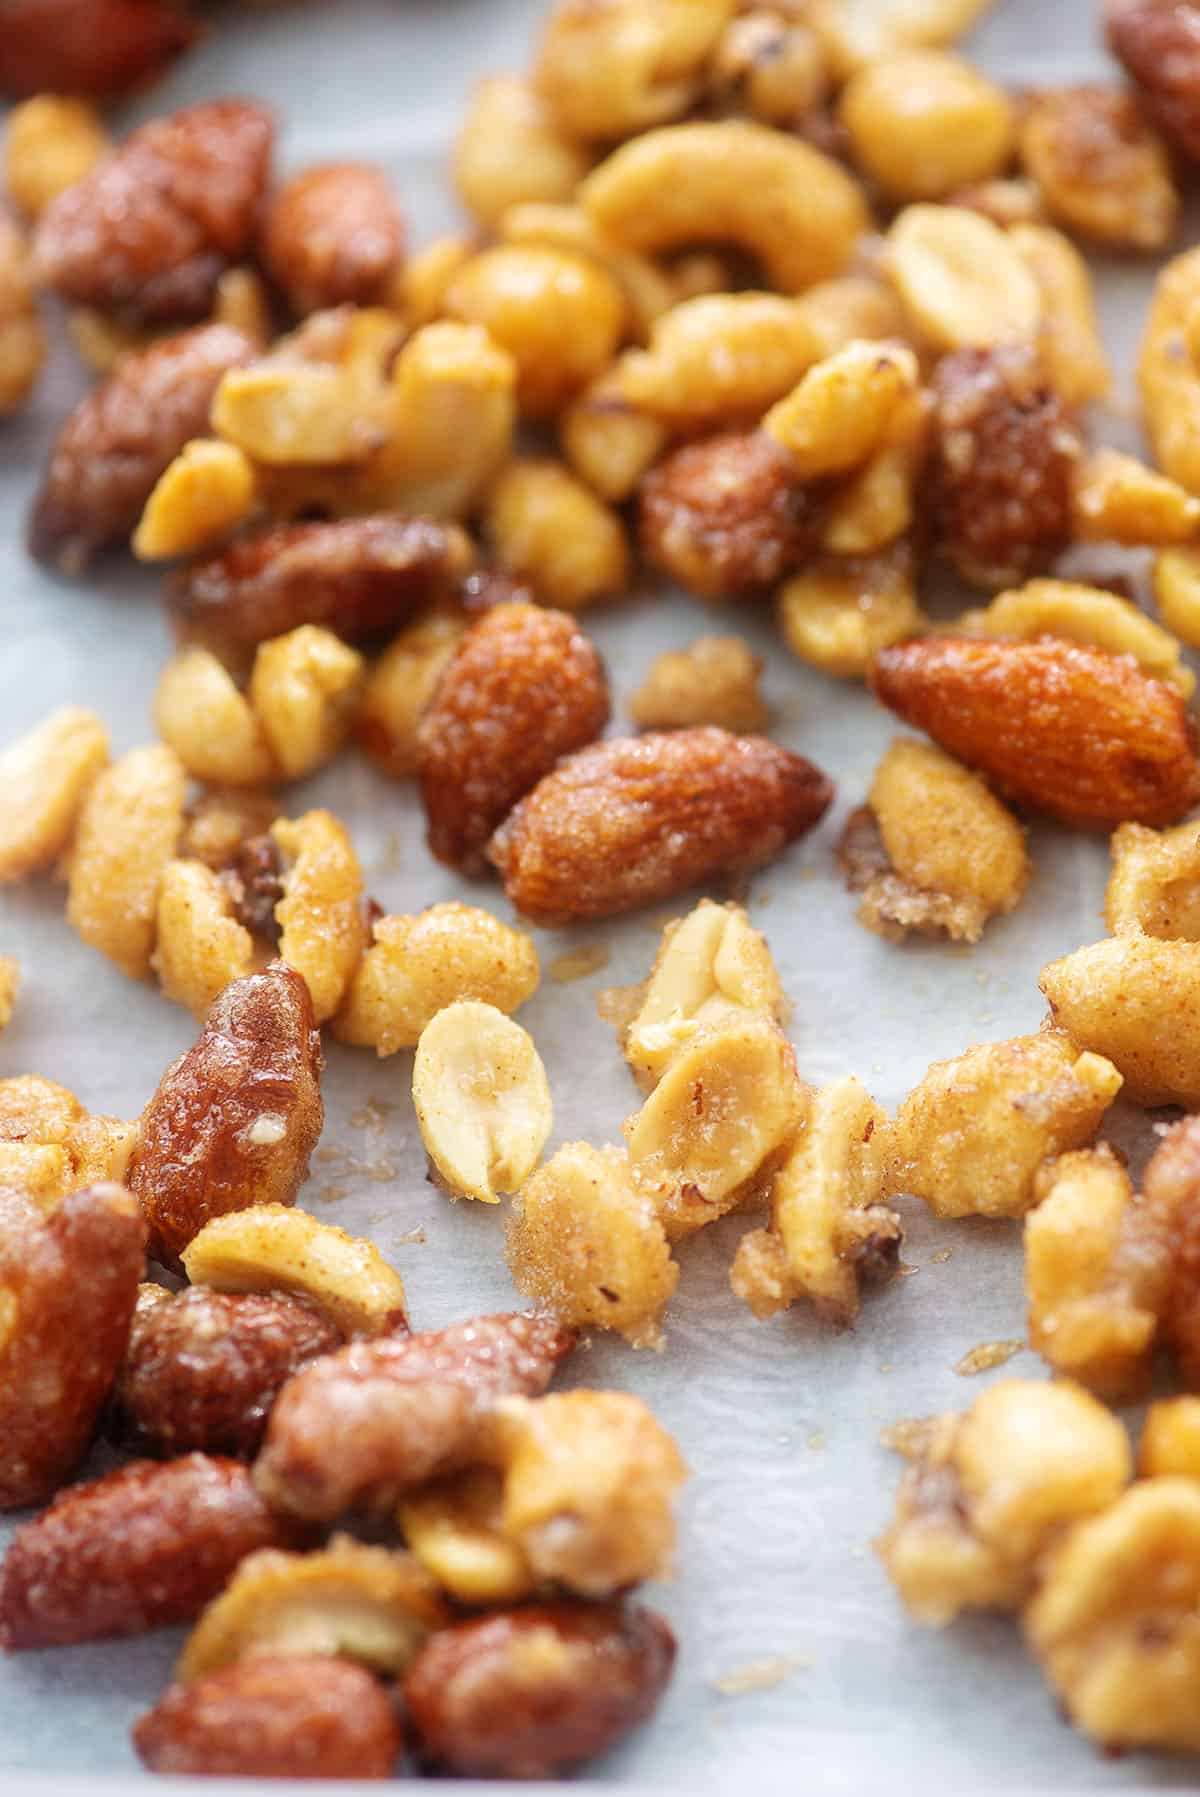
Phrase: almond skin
x=1086 y=736
x=635 y=820
x=274 y=1716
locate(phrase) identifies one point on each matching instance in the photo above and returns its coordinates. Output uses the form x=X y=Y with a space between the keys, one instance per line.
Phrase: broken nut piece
x=482 y=1098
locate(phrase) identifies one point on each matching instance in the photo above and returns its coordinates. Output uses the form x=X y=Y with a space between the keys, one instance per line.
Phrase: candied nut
x=875 y=506
x=208 y=490
x=1113 y=1621
x=792 y=208
x=22 y=337
x=378 y=1418
x=455 y=1529
x=523 y=688
x=607 y=71
x=1082 y=614
x=1176 y=580
x=482 y=1099
x=68 y=1284
x=143 y=1547
x=969 y=1139
x=49 y=1145
x=1170 y=1184
x=416 y=966
x=933 y=850
x=45 y=777
x=551 y=530
x=649 y=289
x=367 y=1604
x=398 y=688
x=843 y=410
x=203 y=1368
x=199 y=944
x=288 y=414
x=1118 y=499
x=1078 y=732
x=50 y=143
x=234 y=1119
x=220 y=820
x=1097 y=1273
x=241 y=299
x=1069 y=340
x=719 y=357
x=1133 y=998
x=253 y=878
x=707 y=1136
x=586 y=1241
x=209 y=724
x=305 y=691
x=713 y=681
x=1008 y=200
x=711 y=970
x=311 y=1716
x=355 y=577
x=1170 y=1440
x=726 y=516
x=960 y=280
x=922 y=123
x=589 y=1483
x=93 y=47
x=125 y=835
x=333 y=235
x=1154 y=887
x=509 y=151
x=1099 y=167
x=839 y=613
x=1168 y=370
x=121 y=438
x=989 y=1491
x=270 y=1248
x=856 y=32
x=321 y=929
x=10 y=981
x=829 y=1228
x=1159 y=43
x=770 y=65
x=852 y=307
x=607 y=441
x=633 y=821
x=148 y=232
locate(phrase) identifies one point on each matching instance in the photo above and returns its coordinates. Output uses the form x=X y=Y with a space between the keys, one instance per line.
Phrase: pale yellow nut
x=1154 y=887
x=274 y=1248
x=102 y=1147
x=398 y=688
x=455 y=1529
x=969 y=1139
x=1101 y=170
x=1114 y=1623
x=41 y=1170
x=1176 y=581
x=712 y=969
x=715 y=680
x=416 y=966
x=922 y=122
x=200 y=946
x=10 y=982
x=1069 y=334
x=100 y=342
x=1135 y=1000
x=242 y=300
x=44 y=779
x=790 y=207
x=548 y=528
x=648 y=289
x=875 y=506
x=291 y=414
x=728 y=1102
x=305 y=690
x=1168 y=372
x=587 y=1243
x=357 y=1602
x=50 y=143
x=220 y=820
x=22 y=335
x=723 y=356
x=610 y=444
x=608 y=70
x=320 y=913
x=208 y=490
x=212 y=727
x=49 y=1145
x=37 y=1110
x=1009 y=200
x=1082 y=614
x=127 y=832
x=838 y=614
x=510 y=150
x=960 y=280
x=771 y=66
x=428 y=273
x=482 y=1100
x=1170 y=1439
x=590 y=1479
x=857 y=32
x=842 y=411
x=853 y=307
x=1118 y=499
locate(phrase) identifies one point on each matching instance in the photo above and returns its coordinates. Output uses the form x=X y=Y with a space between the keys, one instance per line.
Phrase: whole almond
x=334 y=235
x=1086 y=736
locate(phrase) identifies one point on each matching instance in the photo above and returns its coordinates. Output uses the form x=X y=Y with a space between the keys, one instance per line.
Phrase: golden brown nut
x=482 y=1101
x=1100 y=168
x=234 y=1119
x=68 y=1285
x=587 y=1242
x=273 y=1717
x=607 y=441
x=321 y=929
x=1154 y=887
x=509 y=151
x=844 y=410
x=200 y=946
x=971 y=1136
x=1176 y=582
x=1168 y=371
x=305 y=689
x=334 y=235
x=1159 y=44
x=550 y=530
x=607 y=71
x=1069 y=339
x=398 y=688
x=632 y=822
x=201 y=715
x=455 y=1528
x=829 y=1227
x=922 y=123
x=528 y=1693
x=49 y=1145
x=219 y=820
x=719 y=358
x=932 y=850
x=713 y=681
x=847 y=307
x=524 y=687
x=960 y=281
x=45 y=777
x=1118 y=499
x=206 y=492
x=770 y=65
x=1170 y=1439
x=22 y=337
x=10 y=981
x=1171 y=1184
x=1082 y=614
x=126 y=834
x=1134 y=999
x=857 y=33
x=842 y=610
x=93 y=47
x=991 y=1490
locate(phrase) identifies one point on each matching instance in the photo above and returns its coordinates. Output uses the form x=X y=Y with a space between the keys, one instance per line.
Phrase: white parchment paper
x=780 y=1421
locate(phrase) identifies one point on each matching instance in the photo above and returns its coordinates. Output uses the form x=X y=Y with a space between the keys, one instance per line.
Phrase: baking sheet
x=780 y=1421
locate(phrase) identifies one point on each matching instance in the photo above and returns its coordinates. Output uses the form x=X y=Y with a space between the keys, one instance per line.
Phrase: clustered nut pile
x=782 y=300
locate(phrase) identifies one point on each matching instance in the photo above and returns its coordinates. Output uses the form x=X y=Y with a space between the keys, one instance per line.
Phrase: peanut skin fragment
x=630 y=822
x=235 y=1119
x=380 y=1417
x=68 y=1285
x=143 y=1547
x=274 y=1716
